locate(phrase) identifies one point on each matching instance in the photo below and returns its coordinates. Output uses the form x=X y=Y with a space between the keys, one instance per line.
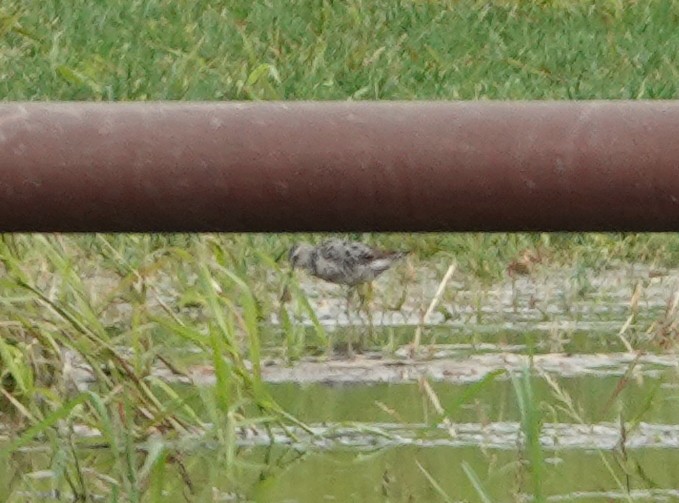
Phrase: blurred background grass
x=320 y=50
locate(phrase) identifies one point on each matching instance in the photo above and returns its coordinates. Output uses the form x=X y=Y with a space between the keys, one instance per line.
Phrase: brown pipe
x=295 y=166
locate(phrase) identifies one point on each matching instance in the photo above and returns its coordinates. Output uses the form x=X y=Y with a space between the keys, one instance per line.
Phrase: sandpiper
x=343 y=262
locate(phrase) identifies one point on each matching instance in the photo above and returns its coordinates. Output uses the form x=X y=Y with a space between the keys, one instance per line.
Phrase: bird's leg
x=350 y=328
x=347 y=307
x=361 y=296
x=366 y=295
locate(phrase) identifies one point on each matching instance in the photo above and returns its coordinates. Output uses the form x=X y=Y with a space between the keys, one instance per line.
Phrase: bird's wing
x=349 y=252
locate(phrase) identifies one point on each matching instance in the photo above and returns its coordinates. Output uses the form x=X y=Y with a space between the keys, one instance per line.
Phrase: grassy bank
x=207 y=50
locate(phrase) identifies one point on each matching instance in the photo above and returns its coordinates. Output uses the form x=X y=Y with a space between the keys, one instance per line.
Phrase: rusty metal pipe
x=296 y=166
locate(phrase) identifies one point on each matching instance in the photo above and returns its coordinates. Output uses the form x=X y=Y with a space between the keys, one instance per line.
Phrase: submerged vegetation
x=97 y=330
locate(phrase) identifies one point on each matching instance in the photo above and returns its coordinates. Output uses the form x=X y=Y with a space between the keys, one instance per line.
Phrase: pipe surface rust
x=340 y=166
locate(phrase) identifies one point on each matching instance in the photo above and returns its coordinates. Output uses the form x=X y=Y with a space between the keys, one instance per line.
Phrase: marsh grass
x=531 y=425
x=58 y=304
x=113 y=307
x=122 y=305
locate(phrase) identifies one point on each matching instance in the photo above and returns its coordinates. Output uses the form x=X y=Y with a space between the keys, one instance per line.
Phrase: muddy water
x=381 y=403
x=608 y=405
x=280 y=474
x=609 y=425
x=377 y=437
x=374 y=442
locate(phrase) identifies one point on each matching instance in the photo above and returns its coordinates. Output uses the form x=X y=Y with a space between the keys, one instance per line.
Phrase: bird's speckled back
x=343 y=262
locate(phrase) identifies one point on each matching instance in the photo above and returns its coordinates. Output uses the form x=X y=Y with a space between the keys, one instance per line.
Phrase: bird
x=342 y=262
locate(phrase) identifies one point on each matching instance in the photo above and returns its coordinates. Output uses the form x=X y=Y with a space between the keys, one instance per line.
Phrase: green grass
x=319 y=50
x=160 y=295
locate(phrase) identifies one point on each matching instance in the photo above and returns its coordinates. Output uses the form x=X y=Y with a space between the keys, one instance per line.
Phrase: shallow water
x=609 y=417
x=386 y=442
x=392 y=474
x=370 y=436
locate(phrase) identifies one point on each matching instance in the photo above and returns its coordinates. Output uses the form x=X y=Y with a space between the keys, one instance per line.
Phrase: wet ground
x=443 y=421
